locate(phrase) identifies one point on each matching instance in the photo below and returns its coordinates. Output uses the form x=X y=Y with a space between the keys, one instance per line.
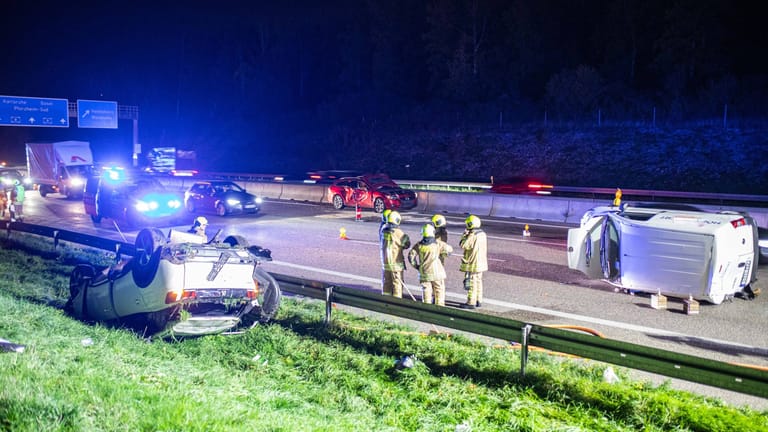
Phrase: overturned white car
x=679 y=253
x=178 y=286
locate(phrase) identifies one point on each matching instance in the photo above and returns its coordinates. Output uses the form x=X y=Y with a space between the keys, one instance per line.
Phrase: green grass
x=295 y=374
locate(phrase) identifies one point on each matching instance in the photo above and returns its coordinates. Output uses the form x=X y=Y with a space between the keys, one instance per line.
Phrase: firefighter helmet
x=394 y=218
x=438 y=220
x=385 y=215
x=472 y=222
x=428 y=230
x=201 y=220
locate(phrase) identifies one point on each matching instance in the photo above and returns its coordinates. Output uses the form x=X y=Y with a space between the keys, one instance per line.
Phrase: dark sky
x=282 y=81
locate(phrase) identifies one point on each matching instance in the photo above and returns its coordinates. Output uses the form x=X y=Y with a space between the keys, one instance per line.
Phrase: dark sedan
x=221 y=198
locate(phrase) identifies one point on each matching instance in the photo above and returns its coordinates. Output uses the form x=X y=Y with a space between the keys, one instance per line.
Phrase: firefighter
x=441 y=231
x=384 y=221
x=426 y=256
x=474 y=262
x=17 y=201
x=394 y=242
x=199 y=226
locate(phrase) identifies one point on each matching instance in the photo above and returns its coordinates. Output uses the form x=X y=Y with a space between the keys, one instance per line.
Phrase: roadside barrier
x=735 y=377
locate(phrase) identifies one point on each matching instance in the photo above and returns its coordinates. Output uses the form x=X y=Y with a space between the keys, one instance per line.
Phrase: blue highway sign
x=34 y=112
x=96 y=114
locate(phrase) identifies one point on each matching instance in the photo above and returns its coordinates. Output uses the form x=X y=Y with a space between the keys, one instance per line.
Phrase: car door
x=362 y=194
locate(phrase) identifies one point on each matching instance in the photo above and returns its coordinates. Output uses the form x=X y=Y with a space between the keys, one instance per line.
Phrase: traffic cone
x=343 y=234
x=358 y=213
x=526 y=232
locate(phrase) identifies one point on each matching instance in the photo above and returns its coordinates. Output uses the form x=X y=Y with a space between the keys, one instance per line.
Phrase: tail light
x=175 y=296
x=254 y=294
x=738 y=222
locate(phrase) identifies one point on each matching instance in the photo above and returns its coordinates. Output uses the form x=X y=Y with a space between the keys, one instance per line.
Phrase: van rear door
x=584 y=247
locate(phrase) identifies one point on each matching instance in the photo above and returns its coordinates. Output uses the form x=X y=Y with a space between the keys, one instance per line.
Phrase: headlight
x=174 y=204
x=27 y=181
x=258 y=200
x=392 y=196
x=76 y=181
x=233 y=202
x=7 y=182
x=144 y=206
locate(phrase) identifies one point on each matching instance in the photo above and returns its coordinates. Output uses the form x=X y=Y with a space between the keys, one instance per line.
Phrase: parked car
x=520 y=185
x=220 y=197
x=178 y=286
x=375 y=191
x=679 y=253
x=131 y=198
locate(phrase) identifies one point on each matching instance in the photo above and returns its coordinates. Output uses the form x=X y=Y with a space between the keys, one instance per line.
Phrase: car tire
x=43 y=191
x=269 y=295
x=149 y=244
x=236 y=240
x=378 y=205
x=190 y=206
x=79 y=280
x=338 y=202
x=221 y=210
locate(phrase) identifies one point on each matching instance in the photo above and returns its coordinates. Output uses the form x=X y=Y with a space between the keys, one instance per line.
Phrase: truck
x=60 y=167
x=688 y=254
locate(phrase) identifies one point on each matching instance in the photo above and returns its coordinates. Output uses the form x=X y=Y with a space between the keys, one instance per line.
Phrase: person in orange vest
x=394 y=242
x=426 y=256
x=474 y=262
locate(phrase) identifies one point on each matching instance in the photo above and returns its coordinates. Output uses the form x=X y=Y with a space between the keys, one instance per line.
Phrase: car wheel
x=338 y=202
x=378 y=205
x=190 y=206
x=43 y=191
x=269 y=295
x=221 y=210
x=236 y=240
x=149 y=243
x=79 y=280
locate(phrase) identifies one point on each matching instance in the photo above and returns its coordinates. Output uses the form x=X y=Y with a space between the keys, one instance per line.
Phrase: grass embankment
x=295 y=374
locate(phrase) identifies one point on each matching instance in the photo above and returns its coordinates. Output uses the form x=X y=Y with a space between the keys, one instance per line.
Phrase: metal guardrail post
x=526 y=331
x=328 y=304
x=55 y=239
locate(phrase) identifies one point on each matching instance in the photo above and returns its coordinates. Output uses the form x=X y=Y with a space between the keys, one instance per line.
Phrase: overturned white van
x=679 y=253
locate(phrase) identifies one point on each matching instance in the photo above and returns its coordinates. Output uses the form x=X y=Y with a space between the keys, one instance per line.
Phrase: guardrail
x=714 y=373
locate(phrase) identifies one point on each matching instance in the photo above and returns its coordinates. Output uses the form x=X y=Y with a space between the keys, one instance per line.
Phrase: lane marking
x=501 y=303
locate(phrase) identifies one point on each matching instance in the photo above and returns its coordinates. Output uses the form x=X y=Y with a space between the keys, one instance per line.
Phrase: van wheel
x=149 y=245
x=338 y=202
x=236 y=240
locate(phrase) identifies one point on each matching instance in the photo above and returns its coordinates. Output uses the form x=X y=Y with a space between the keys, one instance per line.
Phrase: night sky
x=293 y=85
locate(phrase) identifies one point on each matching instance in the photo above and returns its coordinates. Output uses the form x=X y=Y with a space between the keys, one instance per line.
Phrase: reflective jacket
x=475 y=245
x=393 y=243
x=426 y=255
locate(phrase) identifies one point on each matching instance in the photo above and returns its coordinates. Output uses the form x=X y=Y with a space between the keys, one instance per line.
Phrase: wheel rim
x=220 y=210
x=338 y=202
x=379 y=206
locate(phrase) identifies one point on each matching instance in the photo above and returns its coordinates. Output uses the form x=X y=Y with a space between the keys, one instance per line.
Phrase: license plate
x=250 y=206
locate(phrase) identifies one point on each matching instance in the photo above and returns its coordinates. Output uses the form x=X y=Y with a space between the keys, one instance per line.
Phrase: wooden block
x=690 y=307
x=658 y=301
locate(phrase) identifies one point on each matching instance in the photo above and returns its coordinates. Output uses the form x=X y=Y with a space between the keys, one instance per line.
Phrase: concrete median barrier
x=459 y=202
x=296 y=192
